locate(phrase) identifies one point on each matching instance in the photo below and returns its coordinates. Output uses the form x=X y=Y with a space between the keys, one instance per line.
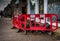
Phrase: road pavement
x=8 y=34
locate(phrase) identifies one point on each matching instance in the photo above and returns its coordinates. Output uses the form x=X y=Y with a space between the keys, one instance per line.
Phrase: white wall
x=28 y=7
x=37 y=7
x=45 y=6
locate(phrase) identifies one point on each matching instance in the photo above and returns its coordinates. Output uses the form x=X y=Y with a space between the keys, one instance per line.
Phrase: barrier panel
x=35 y=22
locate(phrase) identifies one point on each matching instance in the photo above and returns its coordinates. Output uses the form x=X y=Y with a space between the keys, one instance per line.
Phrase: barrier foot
x=13 y=28
x=19 y=31
x=25 y=32
x=50 y=33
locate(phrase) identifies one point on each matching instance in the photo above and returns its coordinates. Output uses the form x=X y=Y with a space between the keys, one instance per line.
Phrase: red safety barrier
x=36 y=22
x=19 y=21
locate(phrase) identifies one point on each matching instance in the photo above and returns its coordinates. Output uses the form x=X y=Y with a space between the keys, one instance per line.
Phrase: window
x=32 y=8
x=54 y=7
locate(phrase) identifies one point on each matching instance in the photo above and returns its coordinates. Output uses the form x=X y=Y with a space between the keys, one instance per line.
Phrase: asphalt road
x=8 y=34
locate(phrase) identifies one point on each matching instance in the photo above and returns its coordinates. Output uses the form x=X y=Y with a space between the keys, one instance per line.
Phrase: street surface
x=8 y=34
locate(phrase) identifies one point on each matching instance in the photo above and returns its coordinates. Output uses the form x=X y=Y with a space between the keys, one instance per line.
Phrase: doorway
x=24 y=6
x=23 y=10
x=41 y=6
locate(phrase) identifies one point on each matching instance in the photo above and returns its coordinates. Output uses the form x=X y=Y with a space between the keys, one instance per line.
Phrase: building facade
x=39 y=7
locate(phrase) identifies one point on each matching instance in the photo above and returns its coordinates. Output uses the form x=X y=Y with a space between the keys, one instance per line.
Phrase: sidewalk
x=57 y=34
x=58 y=31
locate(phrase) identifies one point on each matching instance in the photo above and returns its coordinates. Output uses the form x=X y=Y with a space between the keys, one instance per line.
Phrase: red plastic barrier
x=34 y=22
